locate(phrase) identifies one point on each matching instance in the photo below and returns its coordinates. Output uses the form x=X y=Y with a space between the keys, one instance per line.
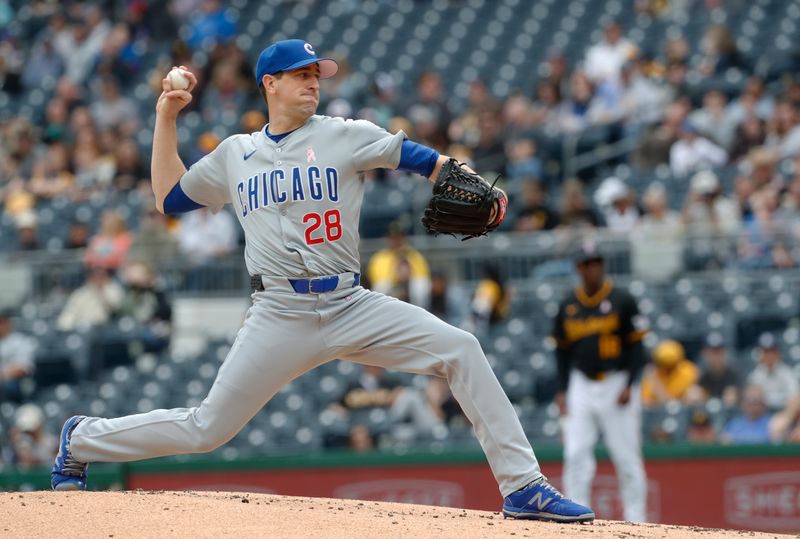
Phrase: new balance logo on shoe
x=540 y=503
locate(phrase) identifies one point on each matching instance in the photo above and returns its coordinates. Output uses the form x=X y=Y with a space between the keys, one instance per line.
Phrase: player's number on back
x=333 y=226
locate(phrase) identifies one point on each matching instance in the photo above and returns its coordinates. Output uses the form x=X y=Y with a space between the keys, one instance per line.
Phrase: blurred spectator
x=776 y=379
x=783 y=130
x=17 y=354
x=130 y=171
x=676 y=50
x=56 y=126
x=11 y=65
x=518 y=120
x=360 y=439
x=657 y=238
x=210 y=24
x=20 y=149
x=81 y=42
x=575 y=212
x=442 y=402
x=43 y=64
x=402 y=404
x=785 y=425
x=148 y=305
x=760 y=243
x=751 y=133
x=754 y=102
x=656 y=143
x=32 y=446
x=555 y=70
x=428 y=111
x=111 y=108
x=693 y=152
x=534 y=214
x=344 y=87
x=382 y=100
x=743 y=189
x=109 y=247
x=225 y=96
x=763 y=169
x=710 y=218
x=714 y=120
x=790 y=213
x=718 y=379
x=51 y=177
x=718 y=50
x=153 y=244
x=616 y=199
x=670 y=376
x=751 y=426
x=522 y=160
x=27 y=232
x=547 y=101
x=701 y=430
x=78 y=235
x=480 y=98
x=642 y=99
x=604 y=60
x=339 y=108
x=578 y=110
x=491 y=301
x=94 y=170
x=488 y=153
x=204 y=236
x=94 y=303
x=206 y=143
x=251 y=121
x=675 y=77
x=446 y=302
x=400 y=271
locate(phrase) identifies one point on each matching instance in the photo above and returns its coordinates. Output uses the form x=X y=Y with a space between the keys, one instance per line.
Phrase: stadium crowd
x=78 y=81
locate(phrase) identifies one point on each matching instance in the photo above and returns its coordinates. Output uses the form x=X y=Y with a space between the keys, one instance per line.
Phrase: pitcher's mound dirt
x=223 y=514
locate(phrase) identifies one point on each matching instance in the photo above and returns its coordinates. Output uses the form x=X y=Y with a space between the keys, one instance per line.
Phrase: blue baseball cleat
x=540 y=500
x=68 y=473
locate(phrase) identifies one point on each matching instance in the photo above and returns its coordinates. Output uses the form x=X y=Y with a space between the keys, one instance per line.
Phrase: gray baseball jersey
x=299 y=199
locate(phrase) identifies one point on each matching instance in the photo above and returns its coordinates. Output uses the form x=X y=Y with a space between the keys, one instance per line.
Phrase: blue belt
x=317 y=285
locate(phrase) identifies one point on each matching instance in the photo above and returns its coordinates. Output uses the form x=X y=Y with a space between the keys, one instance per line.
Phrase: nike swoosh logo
x=249 y=155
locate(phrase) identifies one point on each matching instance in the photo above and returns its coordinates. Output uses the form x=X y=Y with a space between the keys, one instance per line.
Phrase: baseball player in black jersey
x=598 y=333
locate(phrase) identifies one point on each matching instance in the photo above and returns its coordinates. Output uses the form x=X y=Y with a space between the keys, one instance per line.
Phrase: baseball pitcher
x=296 y=187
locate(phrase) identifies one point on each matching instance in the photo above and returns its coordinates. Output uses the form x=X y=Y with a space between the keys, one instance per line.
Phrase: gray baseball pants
x=285 y=335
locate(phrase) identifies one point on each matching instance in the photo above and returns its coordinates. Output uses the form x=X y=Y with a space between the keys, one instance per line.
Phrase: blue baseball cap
x=292 y=54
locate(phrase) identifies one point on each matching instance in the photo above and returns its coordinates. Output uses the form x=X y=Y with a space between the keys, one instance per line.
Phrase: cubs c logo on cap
x=292 y=54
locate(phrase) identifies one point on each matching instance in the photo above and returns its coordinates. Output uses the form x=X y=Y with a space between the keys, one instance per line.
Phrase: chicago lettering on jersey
x=297 y=184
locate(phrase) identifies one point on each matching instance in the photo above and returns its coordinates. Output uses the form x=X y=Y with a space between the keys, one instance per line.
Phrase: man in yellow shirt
x=400 y=271
x=671 y=375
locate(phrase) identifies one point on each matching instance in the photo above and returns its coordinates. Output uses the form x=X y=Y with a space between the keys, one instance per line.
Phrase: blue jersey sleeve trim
x=178 y=202
x=417 y=158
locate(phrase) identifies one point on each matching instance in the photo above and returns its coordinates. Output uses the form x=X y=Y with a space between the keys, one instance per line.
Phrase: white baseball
x=177 y=79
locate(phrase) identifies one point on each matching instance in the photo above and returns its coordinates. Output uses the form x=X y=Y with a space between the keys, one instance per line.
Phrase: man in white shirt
x=93 y=304
x=617 y=201
x=604 y=61
x=776 y=378
x=16 y=359
x=711 y=220
x=693 y=152
x=205 y=235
